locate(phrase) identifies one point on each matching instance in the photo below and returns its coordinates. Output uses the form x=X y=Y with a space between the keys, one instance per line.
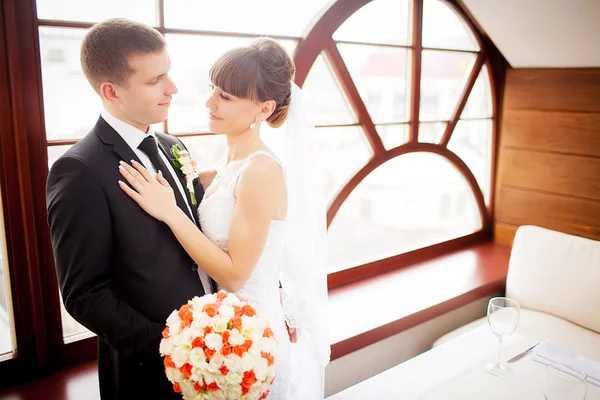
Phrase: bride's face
x=229 y=114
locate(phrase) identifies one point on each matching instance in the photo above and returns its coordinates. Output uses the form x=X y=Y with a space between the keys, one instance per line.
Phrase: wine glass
x=503 y=318
x=564 y=382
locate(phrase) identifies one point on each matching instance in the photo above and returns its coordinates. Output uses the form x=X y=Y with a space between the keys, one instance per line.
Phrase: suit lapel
x=110 y=137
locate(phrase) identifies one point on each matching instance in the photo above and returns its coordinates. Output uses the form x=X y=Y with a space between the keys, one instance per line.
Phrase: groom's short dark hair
x=106 y=49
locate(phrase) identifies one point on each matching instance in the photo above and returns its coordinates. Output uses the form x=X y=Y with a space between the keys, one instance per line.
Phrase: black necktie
x=150 y=147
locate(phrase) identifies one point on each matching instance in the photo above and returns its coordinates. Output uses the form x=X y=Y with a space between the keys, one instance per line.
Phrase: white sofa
x=556 y=279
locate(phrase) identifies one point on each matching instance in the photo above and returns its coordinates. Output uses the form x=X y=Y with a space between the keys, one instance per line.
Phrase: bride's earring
x=253 y=125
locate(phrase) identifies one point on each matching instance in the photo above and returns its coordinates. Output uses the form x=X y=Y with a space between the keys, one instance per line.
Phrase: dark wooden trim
x=198 y=32
x=415 y=70
x=341 y=278
x=375 y=162
x=160 y=8
x=464 y=96
x=357 y=103
x=65 y=24
x=465 y=16
x=62 y=142
x=320 y=31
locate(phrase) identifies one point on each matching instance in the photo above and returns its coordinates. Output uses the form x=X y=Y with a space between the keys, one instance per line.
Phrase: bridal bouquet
x=217 y=347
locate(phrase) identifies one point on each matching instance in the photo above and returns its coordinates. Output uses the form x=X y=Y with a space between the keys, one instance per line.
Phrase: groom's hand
x=291 y=331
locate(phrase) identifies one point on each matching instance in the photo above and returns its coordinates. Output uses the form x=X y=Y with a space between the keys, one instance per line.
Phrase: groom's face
x=146 y=98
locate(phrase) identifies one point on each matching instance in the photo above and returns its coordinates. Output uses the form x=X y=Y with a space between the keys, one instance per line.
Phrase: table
x=454 y=371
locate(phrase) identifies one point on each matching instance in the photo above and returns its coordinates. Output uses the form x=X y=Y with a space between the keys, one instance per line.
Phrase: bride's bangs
x=236 y=73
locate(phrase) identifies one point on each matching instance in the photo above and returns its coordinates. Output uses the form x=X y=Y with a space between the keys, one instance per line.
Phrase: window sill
x=365 y=312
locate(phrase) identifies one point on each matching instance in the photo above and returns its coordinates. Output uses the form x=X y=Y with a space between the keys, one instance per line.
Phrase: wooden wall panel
x=549 y=153
x=553 y=89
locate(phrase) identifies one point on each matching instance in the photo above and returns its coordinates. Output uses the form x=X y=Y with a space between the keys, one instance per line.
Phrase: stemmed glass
x=503 y=318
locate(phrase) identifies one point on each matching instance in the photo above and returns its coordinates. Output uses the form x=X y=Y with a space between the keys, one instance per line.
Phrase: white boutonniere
x=183 y=161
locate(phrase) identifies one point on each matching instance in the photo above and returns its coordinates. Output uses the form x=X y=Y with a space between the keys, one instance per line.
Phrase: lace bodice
x=262 y=288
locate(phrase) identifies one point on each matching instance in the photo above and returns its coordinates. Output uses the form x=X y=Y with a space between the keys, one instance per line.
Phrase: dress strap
x=245 y=162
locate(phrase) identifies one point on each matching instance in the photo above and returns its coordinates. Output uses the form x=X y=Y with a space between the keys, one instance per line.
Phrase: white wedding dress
x=262 y=288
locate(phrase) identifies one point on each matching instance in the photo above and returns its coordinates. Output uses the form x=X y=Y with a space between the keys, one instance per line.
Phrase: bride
x=261 y=223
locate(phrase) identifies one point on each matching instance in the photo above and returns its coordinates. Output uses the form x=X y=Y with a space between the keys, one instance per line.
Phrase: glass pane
x=192 y=57
x=472 y=142
x=71 y=107
x=207 y=150
x=380 y=74
x=382 y=21
x=327 y=104
x=479 y=104
x=393 y=135
x=444 y=29
x=343 y=151
x=71 y=328
x=431 y=132
x=412 y=201
x=442 y=76
x=54 y=152
x=96 y=11
x=267 y=17
x=7 y=341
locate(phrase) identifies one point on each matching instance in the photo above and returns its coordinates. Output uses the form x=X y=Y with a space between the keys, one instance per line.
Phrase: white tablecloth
x=454 y=371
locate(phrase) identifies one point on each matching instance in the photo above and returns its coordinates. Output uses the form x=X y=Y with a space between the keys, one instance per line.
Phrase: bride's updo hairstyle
x=260 y=71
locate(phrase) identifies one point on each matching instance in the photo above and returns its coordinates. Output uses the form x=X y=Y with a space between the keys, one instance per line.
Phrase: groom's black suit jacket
x=121 y=272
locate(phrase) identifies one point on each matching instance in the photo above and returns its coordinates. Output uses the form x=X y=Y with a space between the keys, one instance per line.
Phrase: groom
x=121 y=272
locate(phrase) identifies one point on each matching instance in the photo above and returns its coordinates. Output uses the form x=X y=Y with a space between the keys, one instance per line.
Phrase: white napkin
x=548 y=353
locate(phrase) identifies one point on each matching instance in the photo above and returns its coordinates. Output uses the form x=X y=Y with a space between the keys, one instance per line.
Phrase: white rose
x=197 y=358
x=248 y=362
x=187 y=389
x=219 y=322
x=187 y=168
x=201 y=321
x=234 y=378
x=232 y=363
x=268 y=345
x=227 y=311
x=166 y=346
x=234 y=392
x=232 y=300
x=253 y=324
x=174 y=375
x=174 y=323
x=218 y=395
x=213 y=341
x=255 y=392
x=215 y=363
x=236 y=338
x=260 y=369
x=184 y=159
x=210 y=377
x=179 y=357
x=185 y=338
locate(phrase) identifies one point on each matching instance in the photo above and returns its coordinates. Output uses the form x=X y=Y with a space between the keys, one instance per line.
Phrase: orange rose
x=226 y=335
x=223 y=370
x=248 y=310
x=236 y=323
x=265 y=394
x=184 y=311
x=166 y=333
x=185 y=323
x=209 y=353
x=226 y=350
x=207 y=330
x=249 y=379
x=244 y=389
x=247 y=344
x=168 y=361
x=213 y=387
x=238 y=311
x=211 y=309
x=187 y=370
x=198 y=342
x=176 y=387
x=268 y=333
x=221 y=295
x=199 y=387
x=239 y=350
x=270 y=359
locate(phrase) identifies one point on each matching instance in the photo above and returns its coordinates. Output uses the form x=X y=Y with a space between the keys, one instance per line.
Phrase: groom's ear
x=267 y=108
x=108 y=91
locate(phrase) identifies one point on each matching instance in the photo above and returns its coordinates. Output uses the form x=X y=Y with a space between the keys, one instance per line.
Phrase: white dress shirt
x=134 y=137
